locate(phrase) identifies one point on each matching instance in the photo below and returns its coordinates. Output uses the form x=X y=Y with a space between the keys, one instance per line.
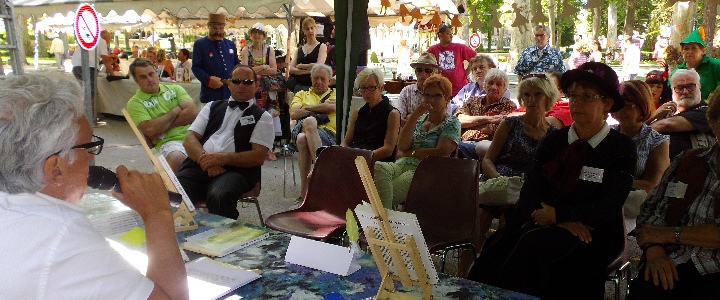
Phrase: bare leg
x=311 y=134
x=174 y=159
x=481 y=148
x=304 y=162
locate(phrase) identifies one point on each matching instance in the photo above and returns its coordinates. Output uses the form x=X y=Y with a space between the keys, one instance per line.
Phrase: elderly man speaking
x=683 y=119
x=49 y=248
x=315 y=111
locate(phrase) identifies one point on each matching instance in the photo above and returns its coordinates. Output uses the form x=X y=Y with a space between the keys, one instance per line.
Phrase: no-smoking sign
x=475 y=40
x=87 y=27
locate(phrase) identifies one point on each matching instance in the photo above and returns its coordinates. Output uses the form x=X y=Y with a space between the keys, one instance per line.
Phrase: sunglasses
x=94 y=147
x=237 y=81
x=537 y=75
x=426 y=70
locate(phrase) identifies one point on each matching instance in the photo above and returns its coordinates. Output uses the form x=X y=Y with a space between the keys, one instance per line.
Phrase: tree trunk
x=551 y=22
x=709 y=21
x=612 y=25
x=682 y=22
x=522 y=37
x=629 y=17
x=597 y=13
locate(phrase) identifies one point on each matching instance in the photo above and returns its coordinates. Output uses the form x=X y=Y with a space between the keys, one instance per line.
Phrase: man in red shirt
x=450 y=56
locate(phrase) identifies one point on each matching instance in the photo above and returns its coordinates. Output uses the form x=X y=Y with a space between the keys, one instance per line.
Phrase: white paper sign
x=591 y=174
x=321 y=256
x=676 y=189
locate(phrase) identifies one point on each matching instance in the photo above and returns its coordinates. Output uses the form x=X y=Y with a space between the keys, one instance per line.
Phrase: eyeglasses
x=539 y=35
x=681 y=88
x=94 y=147
x=536 y=75
x=237 y=81
x=367 y=88
x=585 y=98
x=433 y=96
x=426 y=70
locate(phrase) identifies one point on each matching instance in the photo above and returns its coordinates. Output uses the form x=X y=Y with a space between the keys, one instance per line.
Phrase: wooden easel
x=183 y=215
x=387 y=286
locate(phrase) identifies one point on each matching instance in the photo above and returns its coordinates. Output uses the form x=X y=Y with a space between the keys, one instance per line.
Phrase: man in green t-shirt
x=162 y=113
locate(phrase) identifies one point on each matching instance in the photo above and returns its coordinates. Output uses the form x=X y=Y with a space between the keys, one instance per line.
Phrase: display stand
x=186 y=211
x=388 y=241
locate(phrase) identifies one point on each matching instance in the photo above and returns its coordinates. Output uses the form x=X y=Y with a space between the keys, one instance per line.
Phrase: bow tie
x=243 y=105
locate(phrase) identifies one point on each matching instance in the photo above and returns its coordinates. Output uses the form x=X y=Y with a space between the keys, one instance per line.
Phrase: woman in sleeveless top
x=308 y=54
x=376 y=125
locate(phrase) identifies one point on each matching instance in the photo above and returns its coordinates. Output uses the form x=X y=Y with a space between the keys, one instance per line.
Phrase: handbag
x=500 y=191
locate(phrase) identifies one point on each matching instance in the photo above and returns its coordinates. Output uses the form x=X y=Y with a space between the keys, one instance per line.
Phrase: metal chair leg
x=253 y=200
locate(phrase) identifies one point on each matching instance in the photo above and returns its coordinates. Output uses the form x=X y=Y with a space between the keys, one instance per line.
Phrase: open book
x=224 y=240
x=210 y=279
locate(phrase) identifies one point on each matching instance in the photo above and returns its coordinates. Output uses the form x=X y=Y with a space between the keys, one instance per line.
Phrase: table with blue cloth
x=282 y=280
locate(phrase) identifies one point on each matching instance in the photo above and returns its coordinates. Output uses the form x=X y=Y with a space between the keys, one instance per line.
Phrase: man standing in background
x=214 y=58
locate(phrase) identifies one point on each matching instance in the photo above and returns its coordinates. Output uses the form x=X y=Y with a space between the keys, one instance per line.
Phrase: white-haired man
x=49 y=248
x=683 y=119
x=540 y=57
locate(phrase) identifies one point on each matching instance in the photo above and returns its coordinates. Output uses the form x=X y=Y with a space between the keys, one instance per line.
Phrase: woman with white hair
x=376 y=125
x=480 y=116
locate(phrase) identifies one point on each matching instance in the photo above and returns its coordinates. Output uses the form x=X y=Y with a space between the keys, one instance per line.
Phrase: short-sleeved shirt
x=223 y=140
x=410 y=99
x=50 y=250
x=561 y=110
x=646 y=140
x=533 y=60
x=143 y=107
x=449 y=128
x=469 y=90
x=478 y=106
x=450 y=59
x=683 y=140
x=709 y=70
x=308 y=97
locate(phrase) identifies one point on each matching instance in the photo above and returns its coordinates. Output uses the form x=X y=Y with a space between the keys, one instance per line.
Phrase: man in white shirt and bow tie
x=226 y=146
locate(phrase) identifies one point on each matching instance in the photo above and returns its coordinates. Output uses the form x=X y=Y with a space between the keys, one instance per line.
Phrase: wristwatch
x=678 y=231
x=412 y=153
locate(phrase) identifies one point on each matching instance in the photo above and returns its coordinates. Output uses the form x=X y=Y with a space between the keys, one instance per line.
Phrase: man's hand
x=579 y=230
x=666 y=110
x=208 y=160
x=214 y=82
x=215 y=171
x=142 y=192
x=660 y=267
x=653 y=234
x=544 y=216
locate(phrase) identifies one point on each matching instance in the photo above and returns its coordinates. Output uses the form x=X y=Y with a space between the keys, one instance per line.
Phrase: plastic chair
x=334 y=188
x=443 y=196
x=250 y=196
x=619 y=268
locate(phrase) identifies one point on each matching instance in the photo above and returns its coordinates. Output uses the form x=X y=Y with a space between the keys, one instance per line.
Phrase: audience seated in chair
x=162 y=113
x=220 y=171
x=564 y=231
x=479 y=65
x=678 y=232
x=308 y=134
x=480 y=116
x=376 y=125
x=411 y=96
x=429 y=131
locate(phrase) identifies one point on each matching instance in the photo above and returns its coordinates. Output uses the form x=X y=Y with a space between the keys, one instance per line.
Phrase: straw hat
x=216 y=19
x=426 y=58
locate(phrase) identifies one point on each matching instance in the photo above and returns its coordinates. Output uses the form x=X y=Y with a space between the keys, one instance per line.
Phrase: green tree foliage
x=658 y=16
x=484 y=13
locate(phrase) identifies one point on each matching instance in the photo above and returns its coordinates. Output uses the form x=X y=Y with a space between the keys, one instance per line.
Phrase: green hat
x=695 y=37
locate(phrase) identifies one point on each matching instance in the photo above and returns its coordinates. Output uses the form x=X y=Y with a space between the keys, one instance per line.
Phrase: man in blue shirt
x=213 y=60
x=540 y=57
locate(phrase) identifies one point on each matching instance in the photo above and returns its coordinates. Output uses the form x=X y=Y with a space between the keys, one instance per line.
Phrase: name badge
x=676 y=189
x=591 y=174
x=247 y=120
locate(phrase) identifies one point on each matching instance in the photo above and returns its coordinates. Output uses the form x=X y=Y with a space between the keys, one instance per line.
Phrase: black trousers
x=220 y=193
x=691 y=285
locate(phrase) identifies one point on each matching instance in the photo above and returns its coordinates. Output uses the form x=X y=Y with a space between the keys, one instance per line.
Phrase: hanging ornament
x=538 y=16
x=476 y=23
x=596 y=3
x=520 y=20
x=568 y=10
x=455 y=22
x=384 y=4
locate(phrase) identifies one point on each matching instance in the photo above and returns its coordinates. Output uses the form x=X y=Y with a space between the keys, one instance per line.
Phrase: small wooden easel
x=387 y=240
x=185 y=212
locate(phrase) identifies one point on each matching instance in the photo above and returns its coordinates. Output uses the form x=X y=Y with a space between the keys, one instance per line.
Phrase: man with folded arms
x=49 y=248
x=226 y=146
x=162 y=113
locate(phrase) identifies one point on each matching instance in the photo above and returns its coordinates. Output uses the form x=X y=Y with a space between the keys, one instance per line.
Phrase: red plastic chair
x=443 y=196
x=334 y=187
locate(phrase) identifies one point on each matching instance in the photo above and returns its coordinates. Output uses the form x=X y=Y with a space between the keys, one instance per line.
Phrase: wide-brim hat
x=696 y=36
x=259 y=27
x=214 y=18
x=426 y=58
x=599 y=74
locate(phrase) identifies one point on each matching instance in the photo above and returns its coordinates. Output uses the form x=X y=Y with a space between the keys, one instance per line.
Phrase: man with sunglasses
x=451 y=57
x=540 y=57
x=162 y=112
x=410 y=96
x=49 y=247
x=213 y=60
x=683 y=119
x=226 y=146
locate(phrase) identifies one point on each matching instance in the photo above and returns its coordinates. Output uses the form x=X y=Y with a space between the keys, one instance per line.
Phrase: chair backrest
x=335 y=183
x=443 y=194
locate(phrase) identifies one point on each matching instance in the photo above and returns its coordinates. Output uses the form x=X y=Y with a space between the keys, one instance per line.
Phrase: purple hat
x=598 y=74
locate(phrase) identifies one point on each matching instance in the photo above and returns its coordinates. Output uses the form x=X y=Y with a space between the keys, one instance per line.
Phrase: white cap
x=259 y=26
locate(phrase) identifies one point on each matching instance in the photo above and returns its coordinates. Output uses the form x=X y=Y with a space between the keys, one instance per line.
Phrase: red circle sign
x=475 y=40
x=87 y=27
